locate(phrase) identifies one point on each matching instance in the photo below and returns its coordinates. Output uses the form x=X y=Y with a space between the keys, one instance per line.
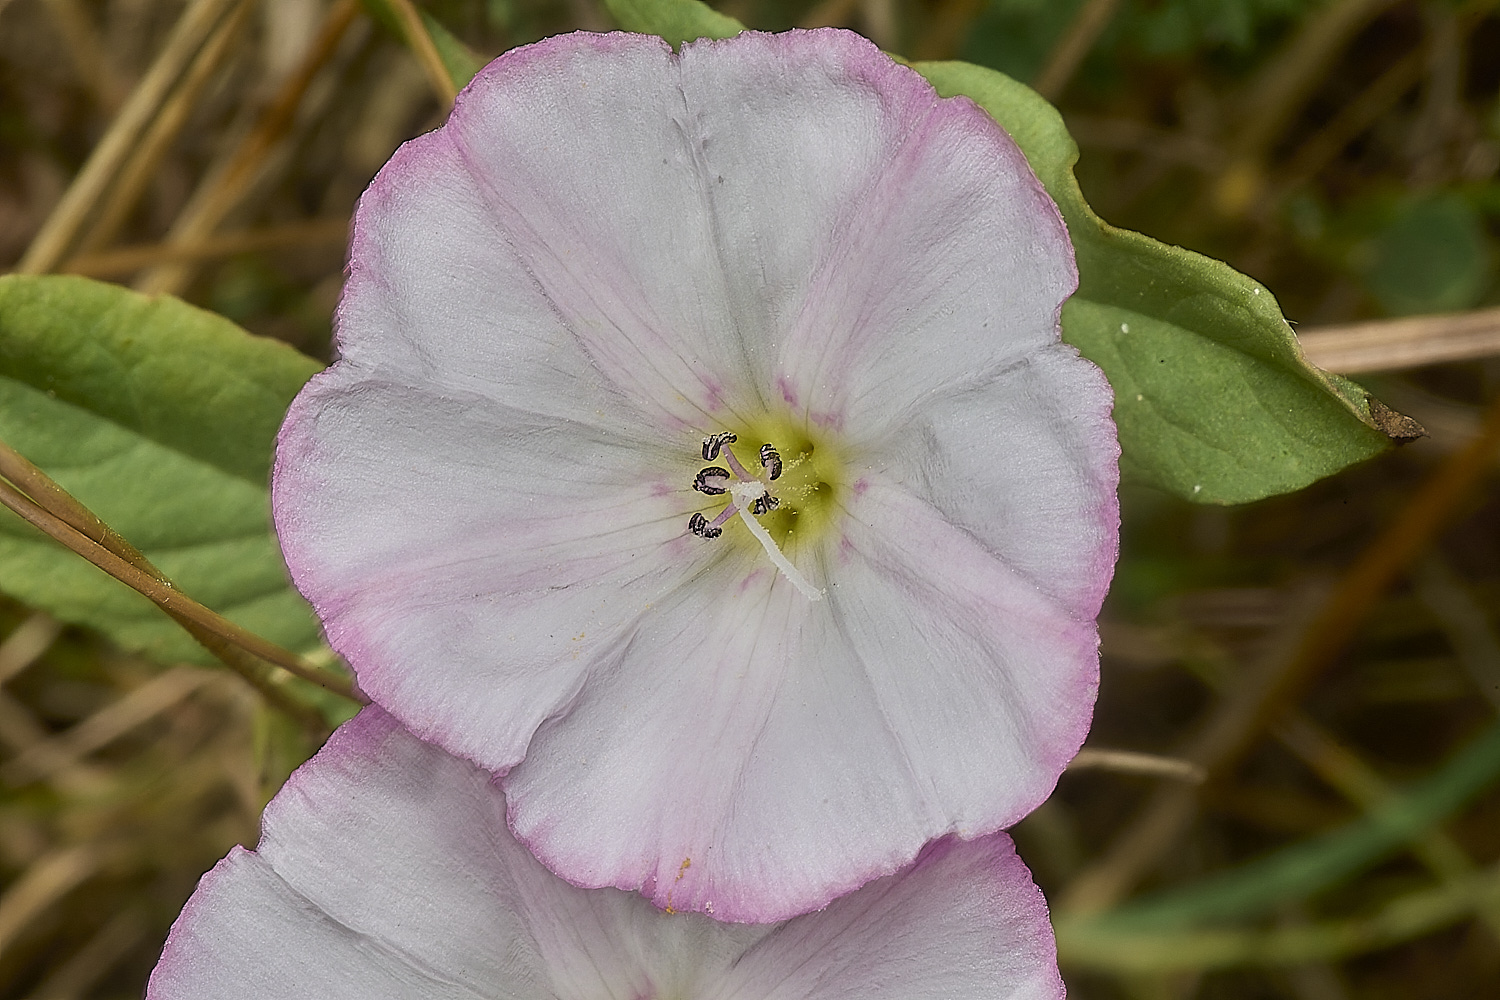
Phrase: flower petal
x=964 y=914
x=439 y=295
x=794 y=134
x=384 y=870
x=580 y=146
x=935 y=691
x=504 y=557
x=951 y=264
x=384 y=874
x=1028 y=465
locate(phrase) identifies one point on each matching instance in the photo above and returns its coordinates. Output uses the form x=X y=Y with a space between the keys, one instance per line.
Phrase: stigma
x=750 y=497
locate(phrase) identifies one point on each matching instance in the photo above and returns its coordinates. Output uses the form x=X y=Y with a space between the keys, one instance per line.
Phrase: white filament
x=745 y=494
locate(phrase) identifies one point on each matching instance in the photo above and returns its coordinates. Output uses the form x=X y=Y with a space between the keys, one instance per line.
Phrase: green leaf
x=162 y=419
x=677 y=21
x=1213 y=398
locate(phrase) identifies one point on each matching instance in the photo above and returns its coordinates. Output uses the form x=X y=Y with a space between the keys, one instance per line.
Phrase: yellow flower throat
x=785 y=497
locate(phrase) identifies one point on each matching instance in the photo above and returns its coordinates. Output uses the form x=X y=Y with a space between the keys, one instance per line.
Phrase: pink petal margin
x=378 y=879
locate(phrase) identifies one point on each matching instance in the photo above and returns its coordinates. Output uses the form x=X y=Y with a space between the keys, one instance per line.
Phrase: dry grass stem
x=1133 y=762
x=1241 y=717
x=1466 y=624
x=1351 y=777
x=1278 y=92
x=425 y=51
x=1270 y=651
x=105 y=726
x=1392 y=344
x=47 y=880
x=43 y=490
x=123 y=261
x=27 y=643
x=226 y=187
x=1324 y=146
x=18 y=730
x=91 y=57
x=1416 y=913
x=1283 y=85
x=57 y=234
x=1170 y=808
x=91 y=963
x=145 y=159
x=161 y=592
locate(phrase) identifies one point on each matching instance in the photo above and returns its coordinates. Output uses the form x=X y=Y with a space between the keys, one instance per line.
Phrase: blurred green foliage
x=1015 y=36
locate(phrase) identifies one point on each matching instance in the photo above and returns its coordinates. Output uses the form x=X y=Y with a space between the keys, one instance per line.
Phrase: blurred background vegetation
x=1322 y=669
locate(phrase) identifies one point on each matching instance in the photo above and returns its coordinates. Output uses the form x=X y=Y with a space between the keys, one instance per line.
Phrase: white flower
x=385 y=873
x=558 y=304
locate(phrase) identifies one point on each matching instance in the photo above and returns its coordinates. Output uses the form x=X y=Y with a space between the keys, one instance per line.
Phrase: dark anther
x=714 y=442
x=770 y=460
x=698 y=525
x=764 y=504
x=711 y=480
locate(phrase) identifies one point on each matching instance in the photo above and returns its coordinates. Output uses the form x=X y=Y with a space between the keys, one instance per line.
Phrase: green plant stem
x=161 y=592
x=45 y=493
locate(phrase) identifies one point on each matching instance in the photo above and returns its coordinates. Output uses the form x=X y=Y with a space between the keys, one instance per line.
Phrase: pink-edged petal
x=936 y=690
x=500 y=551
x=949 y=266
x=439 y=296
x=964 y=921
x=794 y=133
x=383 y=874
x=988 y=683
x=1027 y=464
x=642 y=783
x=384 y=871
x=582 y=149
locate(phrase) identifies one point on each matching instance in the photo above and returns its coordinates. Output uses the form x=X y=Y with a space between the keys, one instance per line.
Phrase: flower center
x=786 y=501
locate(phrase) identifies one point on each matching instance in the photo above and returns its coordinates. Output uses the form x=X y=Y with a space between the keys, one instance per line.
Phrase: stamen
x=770 y=460
x=724 y=515
x=748 y=494
x=714 y=442
x=739 y=470
x=698 y=525
x=750 y=500
x=704 y=528
x=711 y=480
